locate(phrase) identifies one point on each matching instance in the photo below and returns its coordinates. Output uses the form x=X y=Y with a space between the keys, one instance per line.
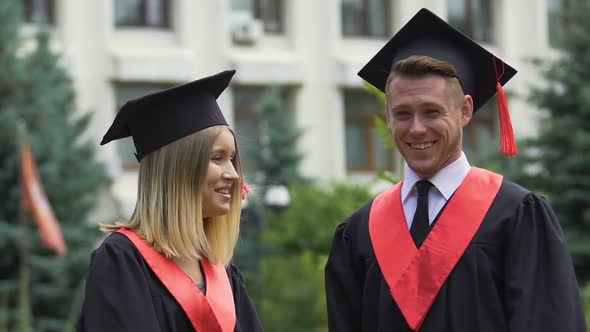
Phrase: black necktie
x=420 y=223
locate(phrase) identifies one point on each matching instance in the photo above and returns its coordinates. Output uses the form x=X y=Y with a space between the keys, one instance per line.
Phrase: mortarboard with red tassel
x=481 y=74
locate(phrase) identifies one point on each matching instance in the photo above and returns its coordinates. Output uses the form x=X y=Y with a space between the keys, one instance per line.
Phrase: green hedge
x=289 y=288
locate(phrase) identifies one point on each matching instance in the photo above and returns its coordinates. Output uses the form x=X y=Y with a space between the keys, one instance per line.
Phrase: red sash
x=416 y=276
x=214 y=312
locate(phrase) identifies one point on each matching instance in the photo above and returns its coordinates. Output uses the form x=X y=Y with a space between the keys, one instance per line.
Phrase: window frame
x=554 y=22
x=369 y=131
x=469 y=21
x=364 y=30
x=278 y=12
x=248 y=113
x=28 y=7
x=244 y=111
x=143 y=17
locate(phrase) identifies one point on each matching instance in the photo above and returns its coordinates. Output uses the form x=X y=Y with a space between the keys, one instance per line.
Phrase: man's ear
x=466 y=110
x=387 y=118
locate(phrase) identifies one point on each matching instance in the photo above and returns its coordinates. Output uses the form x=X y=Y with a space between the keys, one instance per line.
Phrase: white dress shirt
x=444 y=184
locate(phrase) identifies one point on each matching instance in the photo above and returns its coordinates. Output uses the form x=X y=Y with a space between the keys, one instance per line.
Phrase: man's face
x=426 y=116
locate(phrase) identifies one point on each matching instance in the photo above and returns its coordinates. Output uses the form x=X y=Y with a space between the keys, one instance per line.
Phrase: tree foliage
x=556 y=161
x=36 y=90
x=277 y=156
x=561 y=150
x=297 y=242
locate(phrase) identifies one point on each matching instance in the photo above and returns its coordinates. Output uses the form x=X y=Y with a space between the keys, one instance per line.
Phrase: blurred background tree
x=277 y=165
x=297 y=242
x=556 y=162
x=284 y=243
x=562 y=149
x=35 y=89
x=277 y=156
x=382 y=129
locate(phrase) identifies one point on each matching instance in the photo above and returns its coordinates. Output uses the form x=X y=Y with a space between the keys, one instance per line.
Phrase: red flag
x=34 y=200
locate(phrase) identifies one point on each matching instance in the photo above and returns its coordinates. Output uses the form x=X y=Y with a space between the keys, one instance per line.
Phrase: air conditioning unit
x=246 y=30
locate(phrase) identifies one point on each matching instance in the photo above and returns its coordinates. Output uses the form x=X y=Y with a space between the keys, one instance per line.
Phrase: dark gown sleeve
x=343 y=285
x=246 y=316
x=541 y=291
x=117 y=292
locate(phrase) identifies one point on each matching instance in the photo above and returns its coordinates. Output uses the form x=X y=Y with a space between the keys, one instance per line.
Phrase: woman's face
x=221 y=176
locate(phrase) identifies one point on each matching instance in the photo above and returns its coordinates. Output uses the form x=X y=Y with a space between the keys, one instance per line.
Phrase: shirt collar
x=447 y=180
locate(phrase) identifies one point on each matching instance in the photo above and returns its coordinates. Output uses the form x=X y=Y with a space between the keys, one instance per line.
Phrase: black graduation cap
x=161 y=118
x=480 y=73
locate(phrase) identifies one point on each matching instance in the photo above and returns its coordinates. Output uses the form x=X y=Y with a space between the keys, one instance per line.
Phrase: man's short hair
x=421 y=65
x=417 y=66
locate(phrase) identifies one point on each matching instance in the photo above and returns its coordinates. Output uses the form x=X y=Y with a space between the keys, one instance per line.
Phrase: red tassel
x=507 y=141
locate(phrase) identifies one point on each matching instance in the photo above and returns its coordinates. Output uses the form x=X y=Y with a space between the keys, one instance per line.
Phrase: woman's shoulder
x=116 y=246
x=117 y=240
x=235 y=276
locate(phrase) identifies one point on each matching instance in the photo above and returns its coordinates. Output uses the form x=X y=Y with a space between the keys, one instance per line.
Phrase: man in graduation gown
x=451 y=247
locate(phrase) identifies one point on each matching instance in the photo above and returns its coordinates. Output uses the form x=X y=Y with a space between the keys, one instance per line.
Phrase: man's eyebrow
x=406 y=106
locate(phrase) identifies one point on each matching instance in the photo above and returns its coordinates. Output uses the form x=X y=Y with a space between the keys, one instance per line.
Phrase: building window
x=365 y=148
x=248 y=124
x=474 y=18
x=270 y=12
x=142 y=13
x=556 y=23
x=480 y=136
x=39 y=11
x=366 y=18
x=123 y=93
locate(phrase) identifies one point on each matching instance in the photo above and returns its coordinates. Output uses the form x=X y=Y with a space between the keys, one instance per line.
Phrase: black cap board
x=161 y=118
x=426 y=34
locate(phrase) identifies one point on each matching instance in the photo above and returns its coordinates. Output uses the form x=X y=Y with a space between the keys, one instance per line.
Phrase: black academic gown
x=516 y=275
x=123 y=294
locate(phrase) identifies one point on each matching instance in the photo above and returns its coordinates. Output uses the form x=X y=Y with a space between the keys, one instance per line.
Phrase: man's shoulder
x=360 y=216
x=356 y=222
x=509 y=198
x=509 y=188
x=513 y=189
x=355 y=230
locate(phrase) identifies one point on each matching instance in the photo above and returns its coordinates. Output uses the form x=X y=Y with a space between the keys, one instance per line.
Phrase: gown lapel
x=415 y=276
x=214 y=312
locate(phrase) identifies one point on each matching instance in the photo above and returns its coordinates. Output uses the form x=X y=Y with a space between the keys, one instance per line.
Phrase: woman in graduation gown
x=168 y=267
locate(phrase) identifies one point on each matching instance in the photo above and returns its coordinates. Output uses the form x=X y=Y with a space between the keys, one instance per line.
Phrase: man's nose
x=417 y=126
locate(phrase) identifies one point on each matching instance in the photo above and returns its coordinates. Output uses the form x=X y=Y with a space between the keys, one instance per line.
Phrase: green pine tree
x=277 y=157
x=556 y=161
x=277 y=160
x=563 y=142
x=36 y=90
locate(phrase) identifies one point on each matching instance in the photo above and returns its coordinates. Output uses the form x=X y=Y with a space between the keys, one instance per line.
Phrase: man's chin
x=423 y=170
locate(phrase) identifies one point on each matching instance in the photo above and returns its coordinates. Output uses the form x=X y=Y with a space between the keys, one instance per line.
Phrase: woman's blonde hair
x=168 y=211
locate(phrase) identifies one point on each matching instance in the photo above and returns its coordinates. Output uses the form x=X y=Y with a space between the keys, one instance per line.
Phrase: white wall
x=312 y=57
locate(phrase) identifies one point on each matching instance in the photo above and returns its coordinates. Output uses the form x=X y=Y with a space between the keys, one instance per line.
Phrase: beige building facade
x=311 y=49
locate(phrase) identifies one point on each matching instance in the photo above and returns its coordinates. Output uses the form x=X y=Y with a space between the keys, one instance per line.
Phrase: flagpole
x=24 y=278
